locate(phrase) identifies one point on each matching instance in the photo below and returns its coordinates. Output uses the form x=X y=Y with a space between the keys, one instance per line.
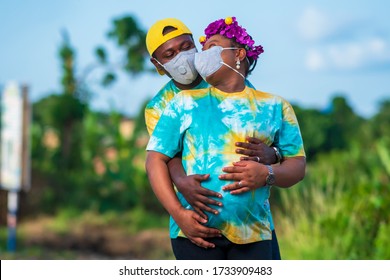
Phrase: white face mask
x=210 y=61
x=181 y=67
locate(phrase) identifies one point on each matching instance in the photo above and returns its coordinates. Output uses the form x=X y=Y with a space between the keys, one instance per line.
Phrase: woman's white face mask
x=181 y=67
x=210 y=61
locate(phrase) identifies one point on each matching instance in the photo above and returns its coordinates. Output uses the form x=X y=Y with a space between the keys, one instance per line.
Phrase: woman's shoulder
x=272 y=98
x=268 y=95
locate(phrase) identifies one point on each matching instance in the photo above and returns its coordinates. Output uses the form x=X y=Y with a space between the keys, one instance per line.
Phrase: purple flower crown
x=229 y=28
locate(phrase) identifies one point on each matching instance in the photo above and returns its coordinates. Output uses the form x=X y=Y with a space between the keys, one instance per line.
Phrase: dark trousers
x=224 y=249
x=275 y=247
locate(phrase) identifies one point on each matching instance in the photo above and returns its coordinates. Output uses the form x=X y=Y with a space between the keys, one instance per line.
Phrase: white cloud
x=314 y=24
x=349 y=55
x=315 y=60
x=339 y=44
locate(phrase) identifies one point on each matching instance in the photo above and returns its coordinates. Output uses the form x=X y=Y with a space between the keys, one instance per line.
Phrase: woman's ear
x=241 y=54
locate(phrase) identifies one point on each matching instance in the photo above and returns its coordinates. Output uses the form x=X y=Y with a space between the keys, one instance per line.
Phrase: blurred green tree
x=129 y=38
x=345 y=125
x=63 y=112
x=92 y=157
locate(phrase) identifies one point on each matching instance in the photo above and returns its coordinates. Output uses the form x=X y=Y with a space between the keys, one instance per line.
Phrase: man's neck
x=195 y=83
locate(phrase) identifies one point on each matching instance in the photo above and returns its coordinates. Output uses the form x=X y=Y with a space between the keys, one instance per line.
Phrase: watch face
x=270 y=180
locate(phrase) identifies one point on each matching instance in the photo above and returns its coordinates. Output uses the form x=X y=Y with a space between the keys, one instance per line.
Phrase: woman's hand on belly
x=247 y=176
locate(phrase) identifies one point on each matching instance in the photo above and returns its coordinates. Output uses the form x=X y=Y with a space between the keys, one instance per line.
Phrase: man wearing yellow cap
x=171 y=47
x=172 y=50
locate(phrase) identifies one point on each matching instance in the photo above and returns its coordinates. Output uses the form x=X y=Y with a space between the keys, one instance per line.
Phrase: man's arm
x=188 y=221
x=191 y=188
x=254 y=149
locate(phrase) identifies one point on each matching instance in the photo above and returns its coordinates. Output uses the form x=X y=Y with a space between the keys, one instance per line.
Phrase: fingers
x=205 y=232
x=203 y=198
x=232 y=169
x=246 y=145
x=237 y=187
x=254 y=147
x=233 y=186
x=255 y=158
x=253 y=140
x=240 y=163
x=202 y=243
x=242 y=190
x=198 y=218
x=204 y=208
x=232 y=176
x=201 y=178
x=208 y=201
x=200 y=212
x=211 y=232
x=200 y=232
x=247 y=152
x=206 y=192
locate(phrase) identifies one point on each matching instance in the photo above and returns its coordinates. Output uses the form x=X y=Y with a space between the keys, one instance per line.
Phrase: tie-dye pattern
x=156 y=106
x=204 y=124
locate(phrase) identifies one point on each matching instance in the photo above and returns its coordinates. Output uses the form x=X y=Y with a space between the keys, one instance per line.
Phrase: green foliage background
x=339 y=211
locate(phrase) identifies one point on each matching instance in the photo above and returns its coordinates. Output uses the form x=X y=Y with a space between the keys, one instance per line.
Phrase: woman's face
x=217 y=40
x=228 y=56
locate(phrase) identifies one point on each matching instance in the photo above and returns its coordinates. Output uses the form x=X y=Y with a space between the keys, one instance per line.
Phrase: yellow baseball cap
x=155 y=36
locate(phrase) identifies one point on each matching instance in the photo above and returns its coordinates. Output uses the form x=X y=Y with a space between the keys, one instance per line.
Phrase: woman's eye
x=209 y=47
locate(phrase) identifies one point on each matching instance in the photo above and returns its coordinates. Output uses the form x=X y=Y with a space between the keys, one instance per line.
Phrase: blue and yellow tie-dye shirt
x=156 y=106
x=204 y=124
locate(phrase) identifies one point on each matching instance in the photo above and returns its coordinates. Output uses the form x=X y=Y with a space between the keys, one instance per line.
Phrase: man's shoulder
x=192 y=93
x=164 y=95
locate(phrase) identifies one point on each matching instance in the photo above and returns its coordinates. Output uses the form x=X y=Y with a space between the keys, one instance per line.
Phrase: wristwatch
x=277 y=154
x=270 y=180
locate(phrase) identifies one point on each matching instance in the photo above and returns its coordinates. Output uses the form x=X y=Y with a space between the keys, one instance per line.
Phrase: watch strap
x=277 y=154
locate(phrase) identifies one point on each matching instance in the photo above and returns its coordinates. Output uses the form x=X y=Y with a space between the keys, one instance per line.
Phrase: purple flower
x=236 y=32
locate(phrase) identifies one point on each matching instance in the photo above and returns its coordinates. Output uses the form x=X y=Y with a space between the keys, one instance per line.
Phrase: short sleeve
x=167 y=135
x=289 y=139
x=152 y=115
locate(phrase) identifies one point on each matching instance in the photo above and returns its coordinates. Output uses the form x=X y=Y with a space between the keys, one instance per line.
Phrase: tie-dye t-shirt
x=204 y=124
x=156 y=106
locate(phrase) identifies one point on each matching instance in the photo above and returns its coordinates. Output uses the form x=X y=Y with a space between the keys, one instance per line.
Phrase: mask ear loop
x=227 y=65
x=155 y=59
x=163 y=67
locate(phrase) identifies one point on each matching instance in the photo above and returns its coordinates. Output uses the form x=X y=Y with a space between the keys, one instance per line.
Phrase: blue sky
x=313 y=49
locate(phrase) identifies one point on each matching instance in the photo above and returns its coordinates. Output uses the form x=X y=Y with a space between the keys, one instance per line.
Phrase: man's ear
x=157 y=65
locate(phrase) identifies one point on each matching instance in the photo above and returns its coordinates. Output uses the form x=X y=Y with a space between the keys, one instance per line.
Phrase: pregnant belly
x=240 y=209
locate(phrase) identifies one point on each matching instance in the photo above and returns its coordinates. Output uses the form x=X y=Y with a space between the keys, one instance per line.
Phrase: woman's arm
x=250 y=175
